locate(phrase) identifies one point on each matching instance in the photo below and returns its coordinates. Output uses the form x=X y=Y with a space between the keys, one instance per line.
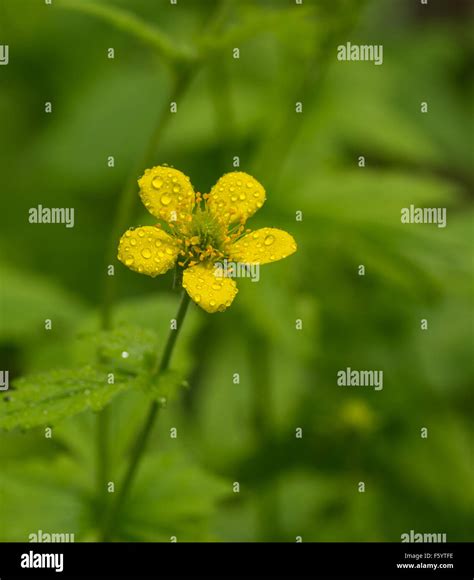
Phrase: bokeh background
x=308 y=162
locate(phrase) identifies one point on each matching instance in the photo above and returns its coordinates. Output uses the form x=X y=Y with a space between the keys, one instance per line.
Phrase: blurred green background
x=308 y=162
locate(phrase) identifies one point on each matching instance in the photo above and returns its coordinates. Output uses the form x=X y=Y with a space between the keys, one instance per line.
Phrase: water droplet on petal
x=269 y=240
x=165 y=199
x=133 y=242
x=157 y=182
x=242 y=196
x=129 y=261
x=141 y=233
x=158 y=243
x=146 y=253
x=197 y=298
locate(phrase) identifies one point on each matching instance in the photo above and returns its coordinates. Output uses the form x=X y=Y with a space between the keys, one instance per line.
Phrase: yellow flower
x=196 y=232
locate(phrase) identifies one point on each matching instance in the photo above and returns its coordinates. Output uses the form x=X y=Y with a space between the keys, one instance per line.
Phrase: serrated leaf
x=166 y=386
x=128 y=349
x=46 y=398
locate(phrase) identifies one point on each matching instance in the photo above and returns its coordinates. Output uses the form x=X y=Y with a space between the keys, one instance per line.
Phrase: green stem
x=141 y=441
x=122 y=220
x=132 y=24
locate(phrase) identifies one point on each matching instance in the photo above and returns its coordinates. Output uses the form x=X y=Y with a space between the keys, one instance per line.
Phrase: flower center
x=207 y=230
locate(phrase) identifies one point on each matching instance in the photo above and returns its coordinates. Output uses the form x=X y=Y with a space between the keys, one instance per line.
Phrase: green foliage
x=47 y=398
x=173 y=497
x=307 y=162
x=166 y=386
x=127 y=349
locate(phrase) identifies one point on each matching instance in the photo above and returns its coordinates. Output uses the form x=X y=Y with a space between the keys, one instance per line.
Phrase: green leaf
x=46 y=398
x=128 y=349
x=166 y=386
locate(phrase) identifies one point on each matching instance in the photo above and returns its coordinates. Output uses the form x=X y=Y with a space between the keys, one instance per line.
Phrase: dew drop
x=197 y=298
x=128 y=261
x=157 y=182
x=146 y=253
x=233 y=198
x=216 y=286
x=242 y=196
x=212 y=302
x=269 y=240
x=165 y=199
x=158 y=243
x=133 y=242
x=176 y=189
x=141 y=233
x=169 y=251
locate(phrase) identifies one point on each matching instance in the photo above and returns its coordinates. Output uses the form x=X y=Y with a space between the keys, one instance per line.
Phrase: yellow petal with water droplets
x=236 y=197
x=148 y=250
x=167 y=194
x=212 y=293
x=263 y=246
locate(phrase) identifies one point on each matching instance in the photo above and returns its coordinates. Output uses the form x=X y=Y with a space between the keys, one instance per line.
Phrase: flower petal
x=148 y=250
x=235 y=197
x=167 y=193
x=211 y=293
x=263 y=246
